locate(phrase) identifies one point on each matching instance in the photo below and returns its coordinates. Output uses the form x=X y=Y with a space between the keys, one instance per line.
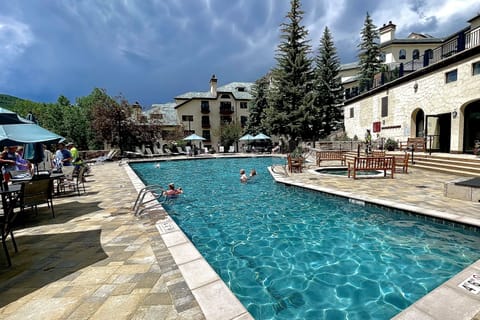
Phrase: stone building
x=437 y=98
x=204 y=113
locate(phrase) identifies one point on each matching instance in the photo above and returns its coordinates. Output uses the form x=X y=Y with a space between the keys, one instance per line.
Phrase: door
x=438 y=131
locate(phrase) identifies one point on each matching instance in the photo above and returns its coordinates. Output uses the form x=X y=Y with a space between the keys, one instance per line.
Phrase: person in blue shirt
x=63 y=156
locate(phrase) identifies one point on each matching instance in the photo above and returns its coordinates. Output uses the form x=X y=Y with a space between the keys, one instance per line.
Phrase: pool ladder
x=148 y=197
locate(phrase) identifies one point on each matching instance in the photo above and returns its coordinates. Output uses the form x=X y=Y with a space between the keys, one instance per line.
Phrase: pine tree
x=291 y=79
x=257 y=106
x=327 y=91
x=369 y=54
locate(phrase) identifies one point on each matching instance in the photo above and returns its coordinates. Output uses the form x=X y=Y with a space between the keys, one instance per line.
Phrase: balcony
x=205 y=125
x=226 y=110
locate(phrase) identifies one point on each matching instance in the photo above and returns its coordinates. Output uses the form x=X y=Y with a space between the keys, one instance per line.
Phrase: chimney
x=213 y=86
x=387 y=32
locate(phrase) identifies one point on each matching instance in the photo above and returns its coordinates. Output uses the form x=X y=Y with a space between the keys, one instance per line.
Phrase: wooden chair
x=402 y=162
x=294 y=164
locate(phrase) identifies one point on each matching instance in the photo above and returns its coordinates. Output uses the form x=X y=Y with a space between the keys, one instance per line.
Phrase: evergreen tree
x=291 y=79
x=369 y=54
x=325 y=109
x=257 y=106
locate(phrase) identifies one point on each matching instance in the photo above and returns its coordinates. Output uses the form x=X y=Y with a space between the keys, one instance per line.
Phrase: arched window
x=402 y=54
x=415 y=54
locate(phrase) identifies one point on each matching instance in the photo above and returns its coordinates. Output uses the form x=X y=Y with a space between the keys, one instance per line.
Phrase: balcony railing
x=459 y=43
x=226 y=110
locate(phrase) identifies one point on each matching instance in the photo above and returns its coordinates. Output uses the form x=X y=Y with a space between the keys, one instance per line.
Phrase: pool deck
x=96 y=260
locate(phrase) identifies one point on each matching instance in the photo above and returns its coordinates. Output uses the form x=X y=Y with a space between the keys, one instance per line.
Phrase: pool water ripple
x=290 y=253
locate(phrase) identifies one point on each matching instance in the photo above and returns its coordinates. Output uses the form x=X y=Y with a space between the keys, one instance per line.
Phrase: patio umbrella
x=261 y=136
x=15 y=130
x=194 y=137
x=247 y=137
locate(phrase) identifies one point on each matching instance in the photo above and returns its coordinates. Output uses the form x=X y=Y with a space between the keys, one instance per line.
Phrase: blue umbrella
x=15 y=130
x=247 y=137
x=261 y=136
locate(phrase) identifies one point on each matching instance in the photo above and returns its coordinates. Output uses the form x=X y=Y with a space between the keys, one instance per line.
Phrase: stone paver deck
x=96 y=260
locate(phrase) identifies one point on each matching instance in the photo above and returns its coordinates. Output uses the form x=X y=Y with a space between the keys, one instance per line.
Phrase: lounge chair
x=151 y=154
x=158 y=150
x=109 y=157
x=188 y=150
x=181 y=151
x=231 y=149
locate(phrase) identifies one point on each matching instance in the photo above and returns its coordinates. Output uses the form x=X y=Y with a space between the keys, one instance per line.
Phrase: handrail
x=156 y=193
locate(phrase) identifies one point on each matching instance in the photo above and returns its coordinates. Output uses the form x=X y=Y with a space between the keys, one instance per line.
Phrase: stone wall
x=428 y=92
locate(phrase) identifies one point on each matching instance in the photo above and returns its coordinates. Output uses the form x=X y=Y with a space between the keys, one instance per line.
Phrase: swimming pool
x=289 y=253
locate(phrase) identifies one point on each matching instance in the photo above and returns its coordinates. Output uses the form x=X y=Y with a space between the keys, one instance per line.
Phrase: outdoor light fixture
x=454 y=114
x=415 y=86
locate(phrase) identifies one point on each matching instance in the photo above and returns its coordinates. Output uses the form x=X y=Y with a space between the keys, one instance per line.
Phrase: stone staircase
x=462 y=165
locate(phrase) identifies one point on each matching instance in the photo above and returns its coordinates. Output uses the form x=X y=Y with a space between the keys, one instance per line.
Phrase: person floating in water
x=172 y=192
x=243 y=176
x=253 y=173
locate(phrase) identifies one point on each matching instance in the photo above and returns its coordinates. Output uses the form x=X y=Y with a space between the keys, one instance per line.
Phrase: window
x=243 y=105
x=187 y=118
x=402 y=54
x=451 y=76
x=476 y=68
x=415 y=54
x=241 y=89
x=225 y=119
x=225 y=96
x=384 y=106
x=429 y=53
x=205 y=107
x=205 y=122
x=226 y=107
x=243 y=121
x=206 y=134
x=352 y=114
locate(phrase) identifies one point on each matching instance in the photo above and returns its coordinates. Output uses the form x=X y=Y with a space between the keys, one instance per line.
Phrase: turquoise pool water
x=290 y=253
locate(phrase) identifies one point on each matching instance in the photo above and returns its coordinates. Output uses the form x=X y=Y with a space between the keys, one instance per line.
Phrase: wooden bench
x=402 y=162
x=419 y=144
x=329 y=155
x=371 y=164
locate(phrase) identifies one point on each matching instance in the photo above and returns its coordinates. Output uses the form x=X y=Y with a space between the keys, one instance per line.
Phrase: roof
x=233 y=88
x=167 y=110
x=351 y=65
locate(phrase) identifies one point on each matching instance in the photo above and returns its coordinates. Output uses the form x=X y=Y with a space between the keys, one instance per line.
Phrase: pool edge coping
x=215 y=299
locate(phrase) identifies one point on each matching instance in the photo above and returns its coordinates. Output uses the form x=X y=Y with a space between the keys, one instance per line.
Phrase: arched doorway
x=420 y=123
x=471 y=129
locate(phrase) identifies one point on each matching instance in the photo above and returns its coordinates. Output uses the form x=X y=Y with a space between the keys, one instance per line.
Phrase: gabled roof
x=167 y=110
x=235 y=88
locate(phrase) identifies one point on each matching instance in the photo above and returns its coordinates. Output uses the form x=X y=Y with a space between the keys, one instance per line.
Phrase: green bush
x=391 y=144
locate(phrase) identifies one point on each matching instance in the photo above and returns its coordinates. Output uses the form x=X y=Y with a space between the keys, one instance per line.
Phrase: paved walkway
x=95 y=260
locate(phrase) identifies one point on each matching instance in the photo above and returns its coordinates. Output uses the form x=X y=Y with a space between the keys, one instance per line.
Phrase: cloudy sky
x=153 y=50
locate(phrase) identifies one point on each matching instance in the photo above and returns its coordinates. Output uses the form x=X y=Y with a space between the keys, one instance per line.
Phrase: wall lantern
x=454 y=114
x=415 y=86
